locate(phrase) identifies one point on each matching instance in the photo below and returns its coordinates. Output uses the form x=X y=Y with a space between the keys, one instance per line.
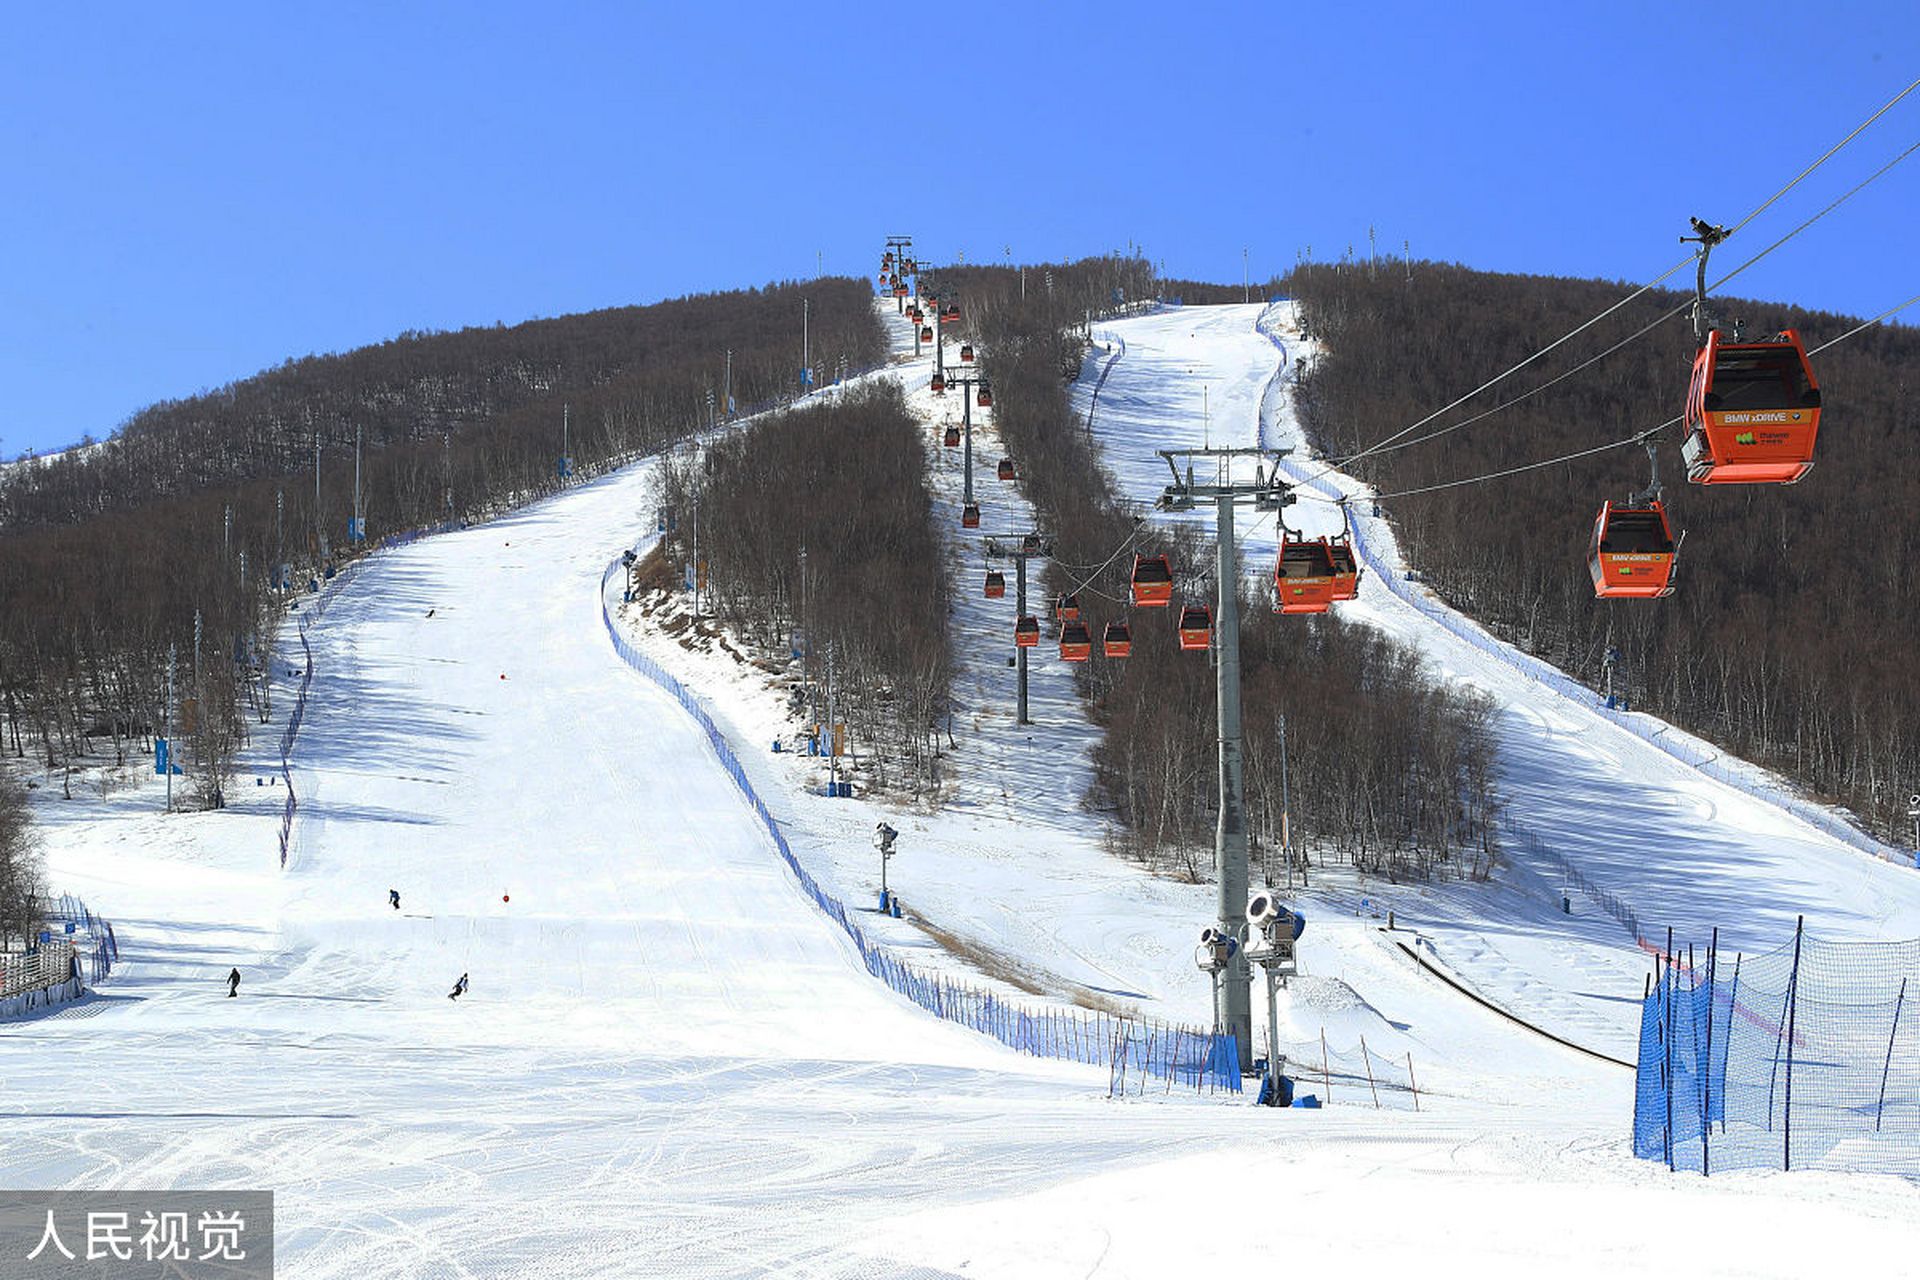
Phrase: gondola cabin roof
x=1632 y=553
x=1753 y=412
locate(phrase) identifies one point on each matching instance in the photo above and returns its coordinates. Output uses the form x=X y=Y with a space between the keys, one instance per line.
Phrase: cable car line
x=1638 y=333
x=1636 y=438
x=1691 y=258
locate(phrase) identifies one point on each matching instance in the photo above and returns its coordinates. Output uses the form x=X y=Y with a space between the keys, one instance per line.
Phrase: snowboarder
x=459 y=988
x=233 y=984
x=393 y=896
x=430 y=613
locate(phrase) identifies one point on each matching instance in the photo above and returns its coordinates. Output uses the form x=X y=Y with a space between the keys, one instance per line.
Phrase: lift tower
x=1264 y=492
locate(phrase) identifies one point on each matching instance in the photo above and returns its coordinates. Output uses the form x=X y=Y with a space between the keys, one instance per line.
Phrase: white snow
x=670 y=1063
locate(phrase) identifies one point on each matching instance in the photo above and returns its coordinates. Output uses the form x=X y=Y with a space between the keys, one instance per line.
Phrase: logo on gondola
x=1745 y=437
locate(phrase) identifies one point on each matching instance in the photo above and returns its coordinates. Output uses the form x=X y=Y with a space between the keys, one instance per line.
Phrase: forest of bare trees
x=1388 y=769
x=110 y=554
x=22 y=887
x=816 y=524
x=1790 y=638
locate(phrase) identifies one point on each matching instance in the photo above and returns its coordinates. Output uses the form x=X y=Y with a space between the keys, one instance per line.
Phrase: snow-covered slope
x=669 y=1063
x=1681 y=848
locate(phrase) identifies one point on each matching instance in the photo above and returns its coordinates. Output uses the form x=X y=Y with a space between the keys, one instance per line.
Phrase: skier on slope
x=233 y=984
x=459 y=988
x=393 y=896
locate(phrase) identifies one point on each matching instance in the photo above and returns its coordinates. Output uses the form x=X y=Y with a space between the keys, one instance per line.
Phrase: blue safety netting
x=1804 y=1057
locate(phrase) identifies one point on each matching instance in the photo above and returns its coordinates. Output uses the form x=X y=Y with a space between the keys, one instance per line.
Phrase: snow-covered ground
x=670 y=1063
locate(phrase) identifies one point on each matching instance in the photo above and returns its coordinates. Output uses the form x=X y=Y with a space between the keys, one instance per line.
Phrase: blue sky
x=198 y=192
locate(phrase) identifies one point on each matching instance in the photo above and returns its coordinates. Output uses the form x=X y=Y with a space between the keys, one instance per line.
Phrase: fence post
x=1897 y=1004
x=1793 y=1011
x=1411 y=1082
x=1706 y=1096
x=1668 y=989
x=1366 y=1059
x=1326 y=1074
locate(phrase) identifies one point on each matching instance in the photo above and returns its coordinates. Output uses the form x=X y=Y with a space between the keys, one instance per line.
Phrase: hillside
x=1789 y=637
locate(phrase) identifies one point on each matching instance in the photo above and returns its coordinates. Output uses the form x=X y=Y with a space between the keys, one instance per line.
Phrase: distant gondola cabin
x=1152 y=582
x=996 y=588
x=1026 y=632
x=1076 y=643
x=1117 y=642
x=1632 y=554
x=1196 y=627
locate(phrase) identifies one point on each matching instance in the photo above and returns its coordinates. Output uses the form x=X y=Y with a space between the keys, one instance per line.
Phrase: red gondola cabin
x=1067 y=608
x=1117 y=642
x=939 y=383
x=985 y=397
x=1303 y=580
x=952 y=438
x=996 y=585
x=966 y=353
x=1005 y=469
x=970 y=516
x=1753 y=411
x=1076 y=643
x=1152 y=582
x=926 y=333
x=1026 y=632
x=1632 y=554
x=1196 y=627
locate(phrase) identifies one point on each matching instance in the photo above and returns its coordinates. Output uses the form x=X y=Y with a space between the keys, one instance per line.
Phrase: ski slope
x=1683 y=849
x=670 y=1064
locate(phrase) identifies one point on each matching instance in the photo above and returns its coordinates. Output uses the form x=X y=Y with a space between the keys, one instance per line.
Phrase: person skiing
x=393 y=896
x=459 y=988
x=233 y=984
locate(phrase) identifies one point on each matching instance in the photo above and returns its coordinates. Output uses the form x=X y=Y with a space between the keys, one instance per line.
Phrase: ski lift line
x=1651 y=325
x=1828 y=155
x=1639 y=437
x=1866 y=324
x=1688 y=260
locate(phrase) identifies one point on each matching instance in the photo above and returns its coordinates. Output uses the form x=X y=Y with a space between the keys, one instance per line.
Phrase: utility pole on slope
x=1265 y=492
